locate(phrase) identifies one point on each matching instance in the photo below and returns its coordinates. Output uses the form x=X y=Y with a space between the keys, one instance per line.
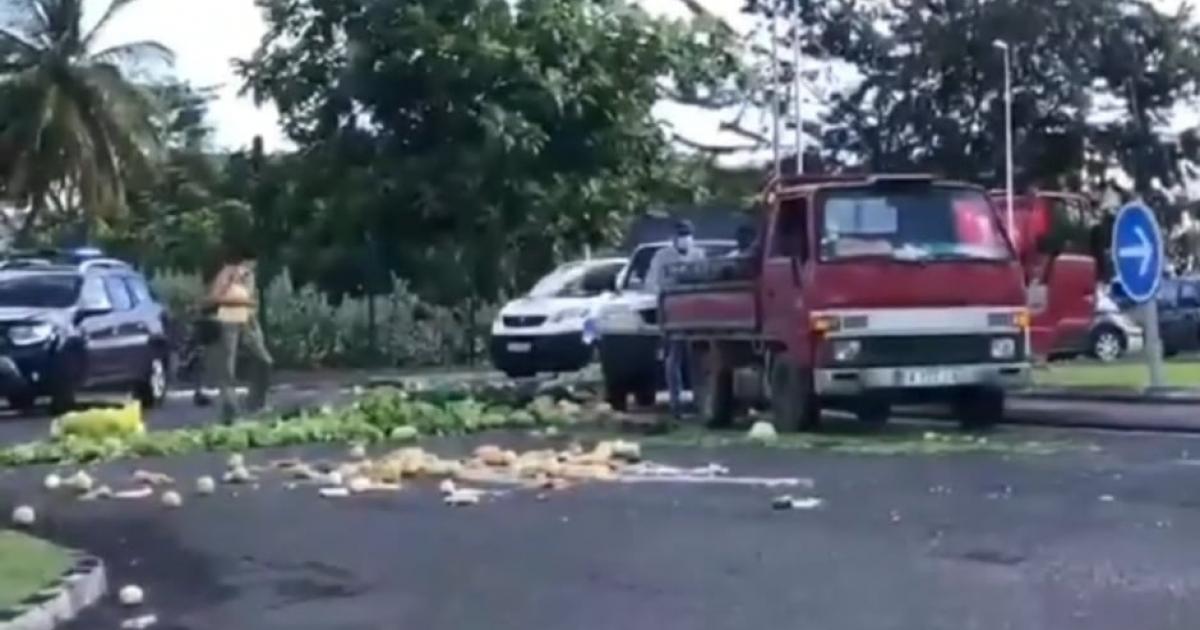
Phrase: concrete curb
x=84 y=584
x=1147 y=397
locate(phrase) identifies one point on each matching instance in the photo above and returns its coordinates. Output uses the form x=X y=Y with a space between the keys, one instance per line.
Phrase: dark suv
x=72 y=322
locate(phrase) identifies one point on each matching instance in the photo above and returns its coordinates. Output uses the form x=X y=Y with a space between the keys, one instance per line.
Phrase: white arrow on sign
x=1142 y=250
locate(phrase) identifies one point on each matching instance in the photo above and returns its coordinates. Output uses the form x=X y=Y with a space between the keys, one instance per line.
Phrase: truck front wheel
x=712 y=386
x=980 y=408
x=793 y=401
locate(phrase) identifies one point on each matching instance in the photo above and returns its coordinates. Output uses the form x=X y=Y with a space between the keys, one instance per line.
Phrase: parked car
x=1178 y=313
x=550 y=328
x=1114 y=333
x=630 y=337
x=76 y=321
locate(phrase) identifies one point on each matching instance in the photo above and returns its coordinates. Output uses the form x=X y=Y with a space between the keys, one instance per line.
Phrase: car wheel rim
x=1108 y=347
x=158 y=379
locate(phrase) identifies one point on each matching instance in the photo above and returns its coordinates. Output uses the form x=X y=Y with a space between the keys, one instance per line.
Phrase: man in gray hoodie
x=682 y=249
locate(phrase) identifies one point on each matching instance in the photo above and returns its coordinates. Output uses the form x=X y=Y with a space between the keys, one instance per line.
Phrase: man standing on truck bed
x=682 y=249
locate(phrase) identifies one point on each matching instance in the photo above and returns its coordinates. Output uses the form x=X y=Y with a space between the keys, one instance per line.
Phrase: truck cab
x=1056 y=243
x=860 y=292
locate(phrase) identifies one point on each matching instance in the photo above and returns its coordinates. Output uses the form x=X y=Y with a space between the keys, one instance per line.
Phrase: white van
x=551 y=329
x=630 y=338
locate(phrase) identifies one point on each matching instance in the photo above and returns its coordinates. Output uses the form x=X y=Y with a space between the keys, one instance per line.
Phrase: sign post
x=1138 y=258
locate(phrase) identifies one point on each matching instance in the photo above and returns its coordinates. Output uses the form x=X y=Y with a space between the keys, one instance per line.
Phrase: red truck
x=860 y=292
x=1055 y=240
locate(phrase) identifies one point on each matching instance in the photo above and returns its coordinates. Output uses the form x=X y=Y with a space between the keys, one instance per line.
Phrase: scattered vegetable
x=24 y=516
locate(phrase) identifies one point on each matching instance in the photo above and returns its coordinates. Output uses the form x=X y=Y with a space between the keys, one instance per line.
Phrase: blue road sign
x=1137 y=251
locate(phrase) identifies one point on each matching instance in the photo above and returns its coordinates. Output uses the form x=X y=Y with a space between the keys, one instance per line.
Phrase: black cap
x=684 y=227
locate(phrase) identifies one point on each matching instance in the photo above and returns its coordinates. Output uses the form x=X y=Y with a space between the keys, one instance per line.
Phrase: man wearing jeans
x=232 y=293
x=682 y=249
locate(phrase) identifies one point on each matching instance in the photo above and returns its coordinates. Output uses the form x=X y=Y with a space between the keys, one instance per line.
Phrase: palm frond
x=113 y=9
x=134 y=53
x=15 y=42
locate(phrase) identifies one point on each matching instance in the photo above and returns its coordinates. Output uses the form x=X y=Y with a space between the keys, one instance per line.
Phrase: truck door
x=782 y=311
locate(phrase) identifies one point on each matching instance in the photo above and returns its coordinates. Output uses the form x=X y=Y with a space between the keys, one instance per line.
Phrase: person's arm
x=218 y=287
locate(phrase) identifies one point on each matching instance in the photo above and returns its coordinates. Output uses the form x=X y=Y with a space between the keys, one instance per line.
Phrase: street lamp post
x=1004 y=47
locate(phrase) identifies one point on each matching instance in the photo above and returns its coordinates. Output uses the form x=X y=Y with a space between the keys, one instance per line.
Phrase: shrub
x=305 y=328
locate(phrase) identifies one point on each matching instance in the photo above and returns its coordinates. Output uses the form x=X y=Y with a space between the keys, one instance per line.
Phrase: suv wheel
x=152 y=390
x=22 y=402
x=1108 y=344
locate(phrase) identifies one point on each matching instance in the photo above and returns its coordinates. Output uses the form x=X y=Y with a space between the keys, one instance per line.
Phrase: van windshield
x=912 y=224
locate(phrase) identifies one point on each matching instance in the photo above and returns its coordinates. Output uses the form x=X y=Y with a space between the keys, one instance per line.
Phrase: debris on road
x=100 y=492
x=236 y=460
x=171 y=499
x=763 y=432
x=447 y=486
x=205 y=485
x=52 y=481
x=788 y=502
x=80 y=482
x=462 y=497
x=139 y=623
x=131 y=595
x=139 y=493
x=334 y=493
x=1107 y=498
x=239 y=475
x=358 y=451
x=153 y=478
x=24 y=516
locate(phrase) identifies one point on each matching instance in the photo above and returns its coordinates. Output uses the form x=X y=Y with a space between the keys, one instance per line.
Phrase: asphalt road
x=1098 y=536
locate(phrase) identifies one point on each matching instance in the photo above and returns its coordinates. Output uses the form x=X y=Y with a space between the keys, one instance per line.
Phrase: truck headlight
x=1004 y=348
x=846 y=350
x=30 y=334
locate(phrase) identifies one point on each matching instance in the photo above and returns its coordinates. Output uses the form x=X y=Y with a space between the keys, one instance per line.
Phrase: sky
x=207 y=35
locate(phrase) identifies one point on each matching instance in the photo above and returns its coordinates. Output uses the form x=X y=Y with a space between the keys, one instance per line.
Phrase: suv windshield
x=49 y=291
x=924 y=224
x=640 y=263
x=572 y=280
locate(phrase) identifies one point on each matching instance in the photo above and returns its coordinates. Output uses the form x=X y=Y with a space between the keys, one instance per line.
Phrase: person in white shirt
x=682 y=249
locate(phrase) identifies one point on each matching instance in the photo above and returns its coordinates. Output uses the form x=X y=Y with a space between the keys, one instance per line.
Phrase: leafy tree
x=468 y=143
x=72 y=124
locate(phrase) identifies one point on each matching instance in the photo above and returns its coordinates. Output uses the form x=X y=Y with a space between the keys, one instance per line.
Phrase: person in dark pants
x=682 y=249
x=233 y=295
x=206 y=331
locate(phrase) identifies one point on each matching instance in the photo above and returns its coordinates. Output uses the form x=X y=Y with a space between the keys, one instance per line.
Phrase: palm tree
x=73 y=125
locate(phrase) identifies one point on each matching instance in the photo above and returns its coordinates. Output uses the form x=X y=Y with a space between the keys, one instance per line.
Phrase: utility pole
x=797 y=61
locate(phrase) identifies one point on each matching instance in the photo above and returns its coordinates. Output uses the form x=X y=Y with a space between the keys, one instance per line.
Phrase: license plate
x=520 y=347
x=928 y=378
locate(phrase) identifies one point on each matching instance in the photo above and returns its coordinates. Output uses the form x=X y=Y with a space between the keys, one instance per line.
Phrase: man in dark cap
x=682 y=249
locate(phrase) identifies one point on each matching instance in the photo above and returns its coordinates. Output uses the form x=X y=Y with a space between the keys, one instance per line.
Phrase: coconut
x=492 y=455
x=236 y=460
x=358 y=451
x=206 y=485
x=447 y=486
x=131 y=595
x=171 y=499
x=80 y=482
x=763 y=432
x=52 y=481
x=24 y=516
x=359 y=485
x=238 y=475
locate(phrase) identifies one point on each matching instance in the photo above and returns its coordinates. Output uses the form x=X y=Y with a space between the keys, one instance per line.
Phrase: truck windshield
x=924 y=224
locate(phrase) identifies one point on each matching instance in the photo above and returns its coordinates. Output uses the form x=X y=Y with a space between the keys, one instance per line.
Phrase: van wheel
x=980 y=408
x=712 y=386
x=1108 y=344
x=646 y=396
x=617 y=396
x=152 y=390
x=873 y=411
x=22 y=402
x=793 y=401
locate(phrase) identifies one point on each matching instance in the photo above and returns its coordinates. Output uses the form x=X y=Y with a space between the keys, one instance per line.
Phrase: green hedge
x=306 y=329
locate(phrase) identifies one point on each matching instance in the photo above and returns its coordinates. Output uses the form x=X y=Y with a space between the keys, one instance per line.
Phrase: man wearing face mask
x=682 y=249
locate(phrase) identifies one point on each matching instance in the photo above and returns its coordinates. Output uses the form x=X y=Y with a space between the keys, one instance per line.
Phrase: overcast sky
x=207 y=34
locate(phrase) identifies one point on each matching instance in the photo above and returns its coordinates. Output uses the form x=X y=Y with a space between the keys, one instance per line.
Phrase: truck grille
x=524 y=321
x=932 y=350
